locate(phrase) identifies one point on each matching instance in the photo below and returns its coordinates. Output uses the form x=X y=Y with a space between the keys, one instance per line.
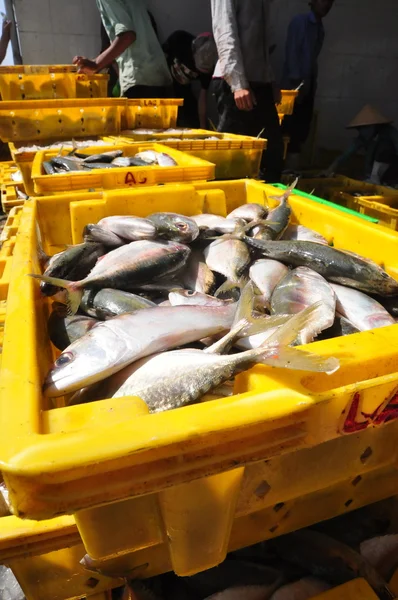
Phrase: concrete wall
x=359 y=63
x=54 y=31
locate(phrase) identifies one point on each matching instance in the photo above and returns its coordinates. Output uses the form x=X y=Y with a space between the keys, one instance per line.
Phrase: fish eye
x=190 y=293
x=64 y=359
x=181 y=225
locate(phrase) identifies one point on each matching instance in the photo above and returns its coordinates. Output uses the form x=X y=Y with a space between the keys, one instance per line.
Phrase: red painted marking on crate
x=129 y=179
x=378 y=417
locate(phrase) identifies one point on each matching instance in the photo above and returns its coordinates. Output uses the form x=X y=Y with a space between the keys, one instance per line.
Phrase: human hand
x=245 y=99
x=85 y=65
x=6 y=28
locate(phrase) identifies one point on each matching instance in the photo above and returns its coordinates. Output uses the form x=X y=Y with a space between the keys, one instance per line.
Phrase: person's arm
x=225 y=31
x=5 y=39
x=394 y=138
x=125 y=35
x=355 y=146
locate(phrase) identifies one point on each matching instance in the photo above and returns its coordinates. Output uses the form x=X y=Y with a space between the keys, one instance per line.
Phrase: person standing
x=191 y=59
x=143 y=71
x=304 y=42
x=243 y=79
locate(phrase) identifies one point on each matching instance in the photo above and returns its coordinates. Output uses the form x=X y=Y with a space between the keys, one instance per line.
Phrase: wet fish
x=217 y=223
x=334 y=265
x=103 y=157
x=304 y=589
x=107 y=303
x=129 y=161
x=99 y=165
x=96 y=233
x=160 y=158
x=249 y=212
x=184 y=297
x=73 y=263
x=112 y=345
x=382 y=553
x=66 y=163
x=172 y=226
x=134 y=263
x=229 y=257
x=64 y=330
x=48 y=168
x=303 y=234
x=299 y=289
x=362 y=311
x=266 y=274
x=197 y=276
x=177 y=378
x=129 y=227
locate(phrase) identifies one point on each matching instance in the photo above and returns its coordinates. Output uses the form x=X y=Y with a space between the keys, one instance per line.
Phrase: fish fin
x=228 y=285
x=74 y=294
x=298 y=360
x=288 y=332
x=287 y=192
x=244 y=307
x=223 y=345
x=261 y=324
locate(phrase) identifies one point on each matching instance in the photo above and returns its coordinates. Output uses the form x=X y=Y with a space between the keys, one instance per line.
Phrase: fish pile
x=169 y=308
x=113 y=159
x=61 y=144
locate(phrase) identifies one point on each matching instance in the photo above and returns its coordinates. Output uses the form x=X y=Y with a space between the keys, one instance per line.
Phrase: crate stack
x=104 y=491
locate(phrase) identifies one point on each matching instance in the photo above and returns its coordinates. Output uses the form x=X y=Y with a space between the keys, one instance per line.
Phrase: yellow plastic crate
x=189 y=168
x=9 y=196
x=328 y=187
x=156 y=113
x=24 y=160
x=39 y=82
x=381 y=207
x=234 y=486
x=45 y=558
x=235 y=156
x=286 y=105
x=46 y=119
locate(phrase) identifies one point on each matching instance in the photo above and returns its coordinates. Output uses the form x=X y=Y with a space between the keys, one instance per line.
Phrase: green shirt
x=143 y=62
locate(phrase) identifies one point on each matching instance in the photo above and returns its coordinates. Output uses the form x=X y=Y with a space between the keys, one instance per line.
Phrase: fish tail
x=286 y=195
x=74 y=291
x=290 y=358
x=288 y=332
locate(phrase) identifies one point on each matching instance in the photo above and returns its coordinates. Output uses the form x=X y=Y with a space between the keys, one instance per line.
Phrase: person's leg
x=265 y=116
x=188 y=112
x=297 y=126
x=383 y=156
x=231 y=119
x=149 y=91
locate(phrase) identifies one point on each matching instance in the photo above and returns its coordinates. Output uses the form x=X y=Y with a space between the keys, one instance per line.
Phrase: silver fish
x=184 y=297
x=172 y=226
x=304 y=234
x=334 y=265
x=134 y=263
x=362 y=311
x=96 y=233
x=229 y=257
x=247 y=592
x=249 y=212
x=266 y=274
x=112 y=345
x=217 y=223
x=129 y=227
x=300 y=288
x=64 y=330
x=177 y=378
x=304 y=589
x=107 y=303
x=197 y=276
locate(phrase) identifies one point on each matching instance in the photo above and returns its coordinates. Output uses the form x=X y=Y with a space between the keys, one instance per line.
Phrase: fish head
x=85 y=361
x=175 y=227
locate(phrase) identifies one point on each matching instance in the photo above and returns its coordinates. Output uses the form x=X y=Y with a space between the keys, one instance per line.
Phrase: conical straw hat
x=369 y=115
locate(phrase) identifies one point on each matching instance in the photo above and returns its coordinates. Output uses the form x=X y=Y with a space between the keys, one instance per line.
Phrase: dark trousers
x=149 y=91
x=188 y=115
x=297 y=126
x=263 y=116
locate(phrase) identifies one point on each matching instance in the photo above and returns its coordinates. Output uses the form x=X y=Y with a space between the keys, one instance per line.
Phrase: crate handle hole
x=262 y=489
x=349 y=502
x=92 y=582
x=38 y=131
x=273 y=529
x=366 y=454
x=279 y=506
x=357 y=480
